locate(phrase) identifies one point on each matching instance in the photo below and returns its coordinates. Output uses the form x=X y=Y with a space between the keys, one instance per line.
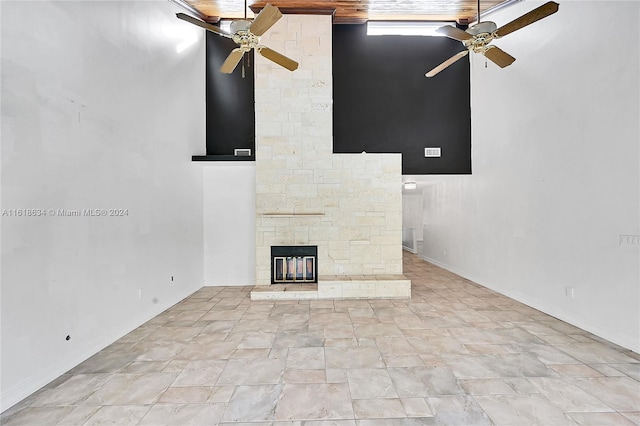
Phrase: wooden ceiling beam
x=257 y=7
x=357 y=11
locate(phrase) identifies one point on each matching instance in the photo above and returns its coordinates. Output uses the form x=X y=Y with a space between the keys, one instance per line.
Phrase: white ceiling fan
x=478 y=37
x=246 y=34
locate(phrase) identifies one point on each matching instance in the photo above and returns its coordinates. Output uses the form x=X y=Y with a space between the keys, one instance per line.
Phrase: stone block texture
x=349 y=205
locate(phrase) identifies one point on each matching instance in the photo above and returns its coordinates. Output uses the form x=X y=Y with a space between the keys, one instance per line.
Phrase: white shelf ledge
x=291 y=214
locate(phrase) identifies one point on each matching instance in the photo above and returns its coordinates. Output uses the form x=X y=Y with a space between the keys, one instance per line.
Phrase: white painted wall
x=556 y=179
x=99 y=110
x=229 y=223
x=412 y=210
x=411 y=219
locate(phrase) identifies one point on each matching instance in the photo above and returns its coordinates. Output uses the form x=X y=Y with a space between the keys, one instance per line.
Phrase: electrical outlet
x=569 y=292
x=630 y=239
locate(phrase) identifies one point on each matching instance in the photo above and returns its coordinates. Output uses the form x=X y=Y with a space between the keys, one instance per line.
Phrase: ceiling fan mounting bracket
x=483 y=49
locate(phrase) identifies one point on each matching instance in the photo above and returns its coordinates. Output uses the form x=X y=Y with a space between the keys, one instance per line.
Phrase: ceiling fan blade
x=446 y=63
x=537 y=14
x=232 y=60
x=499 y=56
x=268 y=16
x=278 y=58
x=202 y=24
x=454 y=33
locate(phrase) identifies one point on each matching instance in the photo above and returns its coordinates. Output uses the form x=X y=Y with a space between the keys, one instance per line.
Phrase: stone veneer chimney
x=349 y=205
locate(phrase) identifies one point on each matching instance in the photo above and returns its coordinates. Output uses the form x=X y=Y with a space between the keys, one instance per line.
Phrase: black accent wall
x=230 y=100
x=383 y=103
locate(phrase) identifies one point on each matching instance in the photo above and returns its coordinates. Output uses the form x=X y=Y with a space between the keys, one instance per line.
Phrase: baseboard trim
x=624 y=341
x=15 y=394
x=210 y=284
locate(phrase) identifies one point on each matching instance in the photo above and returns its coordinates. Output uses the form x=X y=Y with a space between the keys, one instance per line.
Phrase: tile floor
x=455 y=354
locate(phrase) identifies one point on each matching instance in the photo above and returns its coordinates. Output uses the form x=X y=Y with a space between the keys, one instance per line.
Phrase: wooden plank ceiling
x=352 y=11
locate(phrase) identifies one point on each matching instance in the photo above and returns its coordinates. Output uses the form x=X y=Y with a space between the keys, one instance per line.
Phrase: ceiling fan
x=478 y=37
x=246 y=34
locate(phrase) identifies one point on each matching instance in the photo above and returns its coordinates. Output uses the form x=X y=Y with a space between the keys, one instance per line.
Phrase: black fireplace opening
x=294 y=264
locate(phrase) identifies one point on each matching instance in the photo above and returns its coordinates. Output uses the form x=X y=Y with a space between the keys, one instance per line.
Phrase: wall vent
x=630 y=239
x=432 y=152
x=242 y=152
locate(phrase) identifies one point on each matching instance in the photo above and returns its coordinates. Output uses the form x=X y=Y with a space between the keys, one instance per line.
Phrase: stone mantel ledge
x=290 y=214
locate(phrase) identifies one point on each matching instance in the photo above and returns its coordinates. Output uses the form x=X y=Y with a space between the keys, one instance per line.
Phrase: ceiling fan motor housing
x=483 y=33
x=242 y=35
x=482 y=27
x=239 y=25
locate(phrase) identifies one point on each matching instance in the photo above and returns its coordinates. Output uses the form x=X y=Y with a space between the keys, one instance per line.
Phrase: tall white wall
x=412 y=210
x=556 y=178
x=229 y=223
x=102 y=108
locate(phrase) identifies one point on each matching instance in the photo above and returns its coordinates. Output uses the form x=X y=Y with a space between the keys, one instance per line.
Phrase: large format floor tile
x=454 y=354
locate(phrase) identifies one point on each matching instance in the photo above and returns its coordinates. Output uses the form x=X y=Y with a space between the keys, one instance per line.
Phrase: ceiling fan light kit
x=246 y=34
x=478 y=37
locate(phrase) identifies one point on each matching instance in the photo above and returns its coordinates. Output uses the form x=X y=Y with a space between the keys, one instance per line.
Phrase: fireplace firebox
x=294 y=264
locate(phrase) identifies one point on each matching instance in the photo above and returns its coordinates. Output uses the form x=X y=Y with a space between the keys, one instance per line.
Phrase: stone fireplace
x=347 y=205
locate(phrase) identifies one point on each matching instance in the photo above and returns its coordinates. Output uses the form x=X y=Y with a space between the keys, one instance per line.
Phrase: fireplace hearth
x=294 y=264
